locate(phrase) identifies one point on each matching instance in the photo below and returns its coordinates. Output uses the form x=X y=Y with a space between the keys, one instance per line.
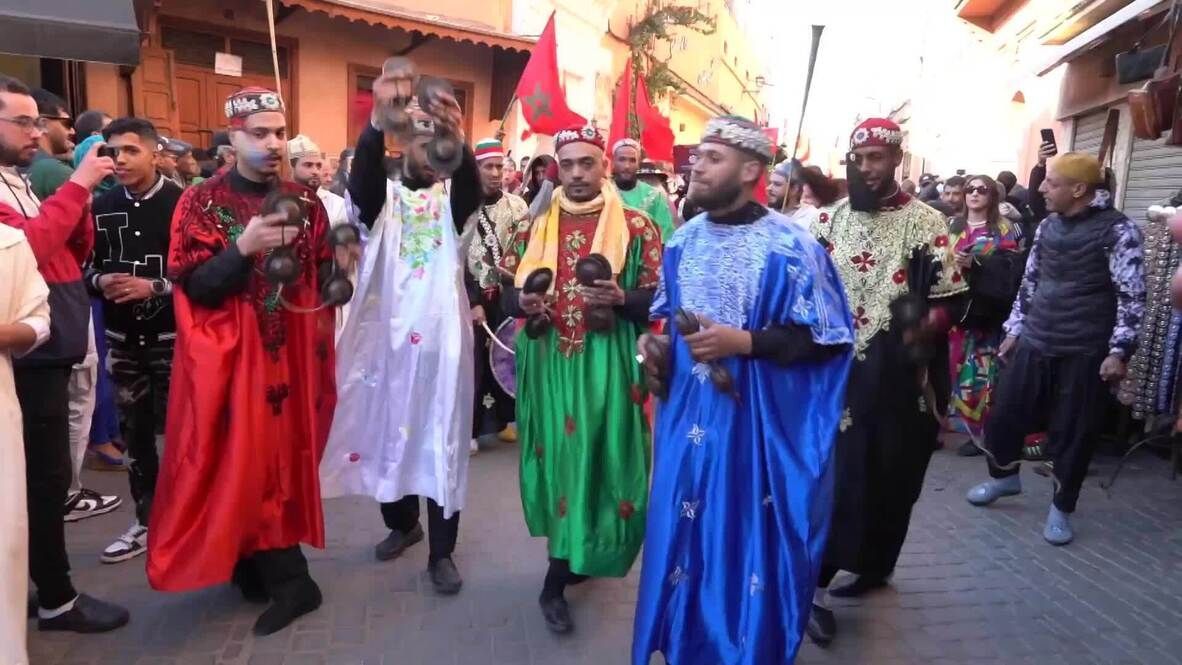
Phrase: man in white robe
x=24 y=324
x=405 y=360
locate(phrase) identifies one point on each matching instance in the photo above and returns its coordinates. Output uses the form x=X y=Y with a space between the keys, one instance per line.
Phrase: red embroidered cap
x=876 y=132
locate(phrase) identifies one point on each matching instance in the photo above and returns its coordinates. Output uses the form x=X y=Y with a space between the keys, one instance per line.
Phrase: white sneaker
x=88 y=503
x=128 y=546
x=473 y=447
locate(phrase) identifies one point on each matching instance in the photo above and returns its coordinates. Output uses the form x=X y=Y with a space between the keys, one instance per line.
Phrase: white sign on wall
x=227 y=64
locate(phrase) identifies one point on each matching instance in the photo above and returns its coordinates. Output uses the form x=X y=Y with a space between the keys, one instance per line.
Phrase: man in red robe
x=253 y=390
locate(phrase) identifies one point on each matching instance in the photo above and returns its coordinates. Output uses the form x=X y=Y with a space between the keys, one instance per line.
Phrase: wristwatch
x=159 y=287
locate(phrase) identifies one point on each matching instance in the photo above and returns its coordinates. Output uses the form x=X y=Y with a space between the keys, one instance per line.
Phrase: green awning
x=88 y=30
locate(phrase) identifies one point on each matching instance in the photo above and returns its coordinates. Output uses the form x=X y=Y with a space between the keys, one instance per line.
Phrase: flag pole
x=808 y=84
x=505 y=117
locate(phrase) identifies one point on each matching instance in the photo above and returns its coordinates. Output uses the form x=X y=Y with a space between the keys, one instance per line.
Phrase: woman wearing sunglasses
x=989 y=252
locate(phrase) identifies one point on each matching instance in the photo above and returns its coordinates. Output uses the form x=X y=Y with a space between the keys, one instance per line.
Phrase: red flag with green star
x=543 y=101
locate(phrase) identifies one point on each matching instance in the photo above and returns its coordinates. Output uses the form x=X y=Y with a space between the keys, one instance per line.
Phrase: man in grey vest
x=1071 y=332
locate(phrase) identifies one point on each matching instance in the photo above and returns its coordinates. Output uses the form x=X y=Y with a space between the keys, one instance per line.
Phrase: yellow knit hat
x=1078 y=166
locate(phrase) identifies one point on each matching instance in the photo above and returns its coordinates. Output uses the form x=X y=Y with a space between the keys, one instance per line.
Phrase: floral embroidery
x=415 y=338
x=767 y=500
x=353 y=457
x=489 y=401
x=701 y=372
x=576 y=240
x=860 y=318
x=627 y=509
x=847 y=419
x=562 y=507
x=422 y=229
x=696 y=434
x=538 y=450
x=689 y=509
x=863 y=262
x=823 y=218
x=923 y=405
x=275 y=397
x=569 y=426
x=876 y=248
x=572 y=316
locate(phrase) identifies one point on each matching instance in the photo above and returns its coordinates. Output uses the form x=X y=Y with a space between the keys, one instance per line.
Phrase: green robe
x=649 y=200
x=585 y=443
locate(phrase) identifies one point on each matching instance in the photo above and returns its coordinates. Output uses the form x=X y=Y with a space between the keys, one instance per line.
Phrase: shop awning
x=90 y=30
x=1135 y=10
x=428 y=25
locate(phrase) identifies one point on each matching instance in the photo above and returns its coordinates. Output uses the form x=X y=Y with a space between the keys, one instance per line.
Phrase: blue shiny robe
x=741 y=493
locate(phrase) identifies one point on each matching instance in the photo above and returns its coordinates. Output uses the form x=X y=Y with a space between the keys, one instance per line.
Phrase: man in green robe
x=580 y=393
x=626 y=154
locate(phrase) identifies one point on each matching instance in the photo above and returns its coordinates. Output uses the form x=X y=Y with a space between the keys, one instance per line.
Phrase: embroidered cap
x=626 y=143
x=488 y=149
x=302 y=146
x=251 y=100
x=742 y=134
x=584 y=134
x=873 y=132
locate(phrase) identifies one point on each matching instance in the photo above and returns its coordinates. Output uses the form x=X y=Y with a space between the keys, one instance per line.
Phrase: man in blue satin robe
x=741 y=493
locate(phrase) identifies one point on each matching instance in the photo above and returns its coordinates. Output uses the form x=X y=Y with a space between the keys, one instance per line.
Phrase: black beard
x=10 y=156
x=717 y=200
x=776 y=204
x=625 y=182
x=862 y=197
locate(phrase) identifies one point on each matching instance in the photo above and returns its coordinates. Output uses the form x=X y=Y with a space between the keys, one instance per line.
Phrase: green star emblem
x=539 y=102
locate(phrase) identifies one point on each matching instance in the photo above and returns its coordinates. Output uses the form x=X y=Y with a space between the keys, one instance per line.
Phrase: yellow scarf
x=611 y=234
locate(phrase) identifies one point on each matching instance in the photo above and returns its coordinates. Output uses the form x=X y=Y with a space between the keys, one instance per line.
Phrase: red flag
x=656 y=134
x=543 y=102
x=620 y=107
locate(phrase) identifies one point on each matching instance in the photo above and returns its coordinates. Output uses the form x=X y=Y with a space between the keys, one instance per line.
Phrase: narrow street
x=974 y=586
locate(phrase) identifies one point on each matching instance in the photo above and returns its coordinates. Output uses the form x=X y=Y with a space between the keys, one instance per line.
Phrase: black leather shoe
x=89 y=615
x=861 y=586
x=302 y=597
x=396 y=543
x=822 y=626
x=445 y=577
x=557 y=615
x=33 y=605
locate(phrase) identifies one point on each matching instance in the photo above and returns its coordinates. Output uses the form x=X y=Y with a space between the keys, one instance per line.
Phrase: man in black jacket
x=128 y=272
x=1072 y=330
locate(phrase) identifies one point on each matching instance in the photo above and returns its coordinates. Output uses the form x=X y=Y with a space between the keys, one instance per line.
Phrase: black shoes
x=296 y=599
x=445 y=577
x=557 y=615
x=822 y=626
x=89 y=615
x=396 y=543
x=861 y=586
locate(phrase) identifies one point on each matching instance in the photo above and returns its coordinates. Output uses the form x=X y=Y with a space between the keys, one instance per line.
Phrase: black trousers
x=1066 y=392
x=141 y=376
x=402 y=516
x=44 y=397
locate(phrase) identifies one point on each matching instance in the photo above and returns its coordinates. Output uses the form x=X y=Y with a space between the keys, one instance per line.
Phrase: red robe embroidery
x=250 y=405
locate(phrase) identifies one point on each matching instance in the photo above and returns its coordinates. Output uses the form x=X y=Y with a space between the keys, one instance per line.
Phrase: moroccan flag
x=656 y=134
x=620 y=107
x=543 y=101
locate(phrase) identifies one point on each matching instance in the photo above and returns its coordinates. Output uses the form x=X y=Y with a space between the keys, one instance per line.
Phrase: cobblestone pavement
x=973 y=586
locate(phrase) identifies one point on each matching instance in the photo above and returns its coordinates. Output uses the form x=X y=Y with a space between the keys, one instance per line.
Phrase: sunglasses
x=979 y=189
x=66 y=120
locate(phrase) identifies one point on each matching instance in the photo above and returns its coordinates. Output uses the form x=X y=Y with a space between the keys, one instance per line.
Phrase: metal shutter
x=1088 y=132
x=1155 y=174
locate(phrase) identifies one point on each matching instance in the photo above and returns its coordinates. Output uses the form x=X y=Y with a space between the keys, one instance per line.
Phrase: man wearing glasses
x=900 y=276
x=61 y=235
x=51 y=165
